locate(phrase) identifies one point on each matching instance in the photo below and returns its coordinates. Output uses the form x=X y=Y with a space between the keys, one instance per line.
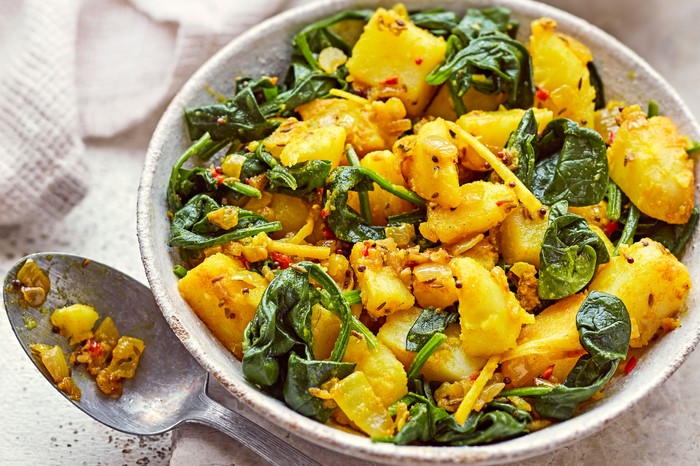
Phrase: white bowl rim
x=532 y=444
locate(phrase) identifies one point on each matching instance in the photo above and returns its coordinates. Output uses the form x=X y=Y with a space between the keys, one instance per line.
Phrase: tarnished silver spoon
x=169 y=387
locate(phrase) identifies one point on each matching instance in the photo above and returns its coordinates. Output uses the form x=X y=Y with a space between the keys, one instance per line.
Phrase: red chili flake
x=391 y=81
x=548 y=372
x=475 y=376
x=501 y=202
x=365 y=251
x=324 y=213
x=541 y=94
x=631 y=364
x=217 y=174
x=282 y=259
x=610 y=228
x=611 y=137
x=94 y=348
x=419 y=61
x=328 y=233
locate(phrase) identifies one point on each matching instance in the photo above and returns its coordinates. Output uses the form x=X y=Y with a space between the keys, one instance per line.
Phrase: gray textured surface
x=40 y=427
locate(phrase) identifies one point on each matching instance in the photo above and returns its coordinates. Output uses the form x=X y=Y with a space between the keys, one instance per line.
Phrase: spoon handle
x=251 y=435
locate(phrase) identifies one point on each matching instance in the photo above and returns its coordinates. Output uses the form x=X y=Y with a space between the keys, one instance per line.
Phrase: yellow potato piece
x=490 y=316
x=649 y=162
x=431 y=167
x=224 y=295
x=392 y=58
x=560 y=70
x=483 y=206
x=651 y=282
x=521 y=237
x=326 y=143
x=357 y=400
x=75 y=322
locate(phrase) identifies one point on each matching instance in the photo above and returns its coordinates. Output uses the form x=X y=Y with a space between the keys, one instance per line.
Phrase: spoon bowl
x=169 y=387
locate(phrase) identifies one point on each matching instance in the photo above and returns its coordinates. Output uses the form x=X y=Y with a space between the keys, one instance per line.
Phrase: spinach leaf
x=627 y=236
x=239 y=118
x=281 y=322
x=429 y=322
x=571 y=165
x=481 y=22
x=432 y=425
x=345 y=222
x=438 y=21
x=520 y=147
x=570 y=254
x=673 y=237
x=604 y=328
x=308 y=177
x=597 y=83
x=191 y=229
x=412 y=217
x=304 y=373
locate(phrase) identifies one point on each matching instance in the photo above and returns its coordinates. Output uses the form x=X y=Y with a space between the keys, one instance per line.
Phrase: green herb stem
x=627 y=236
x=353 y=297
x=365 y=209
x=527 y=391
x=201 y=145
x=395 y=189
x=686 y=233
x=614 y=195
x=424 y=354
x=244 y=189
x=411 y=217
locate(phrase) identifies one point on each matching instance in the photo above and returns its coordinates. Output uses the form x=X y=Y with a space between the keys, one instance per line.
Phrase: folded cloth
x=72 y=70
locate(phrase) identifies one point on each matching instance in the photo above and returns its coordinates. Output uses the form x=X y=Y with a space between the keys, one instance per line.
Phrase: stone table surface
x=38 y=426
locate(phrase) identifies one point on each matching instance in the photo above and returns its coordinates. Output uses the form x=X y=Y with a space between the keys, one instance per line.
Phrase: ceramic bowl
x=265 y=49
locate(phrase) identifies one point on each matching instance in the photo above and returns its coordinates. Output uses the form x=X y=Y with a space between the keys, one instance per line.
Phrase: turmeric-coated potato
x=326 y=143
x=552 y=340
x=649 y=162
x=392 y=58
x=560 y=71
x=651 y=282
x=431 y=167
x=521 y=236
x=357 y=400
x=490 y=316
x=433 y=285
x=224 y=295
x=483 y=206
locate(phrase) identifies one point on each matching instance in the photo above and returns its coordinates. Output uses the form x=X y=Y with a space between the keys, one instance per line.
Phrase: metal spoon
x=169 y=387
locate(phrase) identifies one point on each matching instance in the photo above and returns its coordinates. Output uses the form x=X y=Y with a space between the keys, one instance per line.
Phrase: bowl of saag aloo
x=490 y=104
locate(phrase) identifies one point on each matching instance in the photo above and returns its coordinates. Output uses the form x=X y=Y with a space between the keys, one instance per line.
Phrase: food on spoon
x=418 y=235
x=53 y=359
x=33 y=283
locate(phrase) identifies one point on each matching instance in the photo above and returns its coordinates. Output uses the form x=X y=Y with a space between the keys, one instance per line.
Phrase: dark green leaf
x=597 y=84
x=652 y=109
x=631 y=222
x=439 y=22
x=303 y=374
x=412 y=217
x=427 y=350
x=673 y=237
x=520 y=147
x=571 y=165
x=428 y=323
x=308 y=177
x=570 y=254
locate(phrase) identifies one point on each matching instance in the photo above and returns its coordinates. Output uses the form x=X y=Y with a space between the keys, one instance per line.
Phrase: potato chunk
x=325 y=328
x=224 y=295
x=490 y=316
x=384 y=372
x=649 y=162
x=433 y=285
x=383 y=291
x=561 y=73
x=370 y=126
x=442 y=106
x=326 y=143
x=431 y=167
x=521 y=237
x=493 y=130
x=448 y=364
x=552 y=340
x=75 y=322
x=392 y=58
x=357 y=400
x=653 y=286
x=484 y=205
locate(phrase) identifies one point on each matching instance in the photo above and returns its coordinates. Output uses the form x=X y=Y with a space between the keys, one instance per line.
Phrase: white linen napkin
x=72 y=70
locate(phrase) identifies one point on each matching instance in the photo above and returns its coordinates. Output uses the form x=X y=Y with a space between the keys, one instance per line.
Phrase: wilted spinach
x=520 y=147
x=673 y=237
x=604 y=331
x=191 y=229
x=597 y=84
x=411 y=217
x=278 y=352
x=482 y=55
x=571 y=165
x=570 y=253
x=429 y=322
x=345 y=222
x=438 y=21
